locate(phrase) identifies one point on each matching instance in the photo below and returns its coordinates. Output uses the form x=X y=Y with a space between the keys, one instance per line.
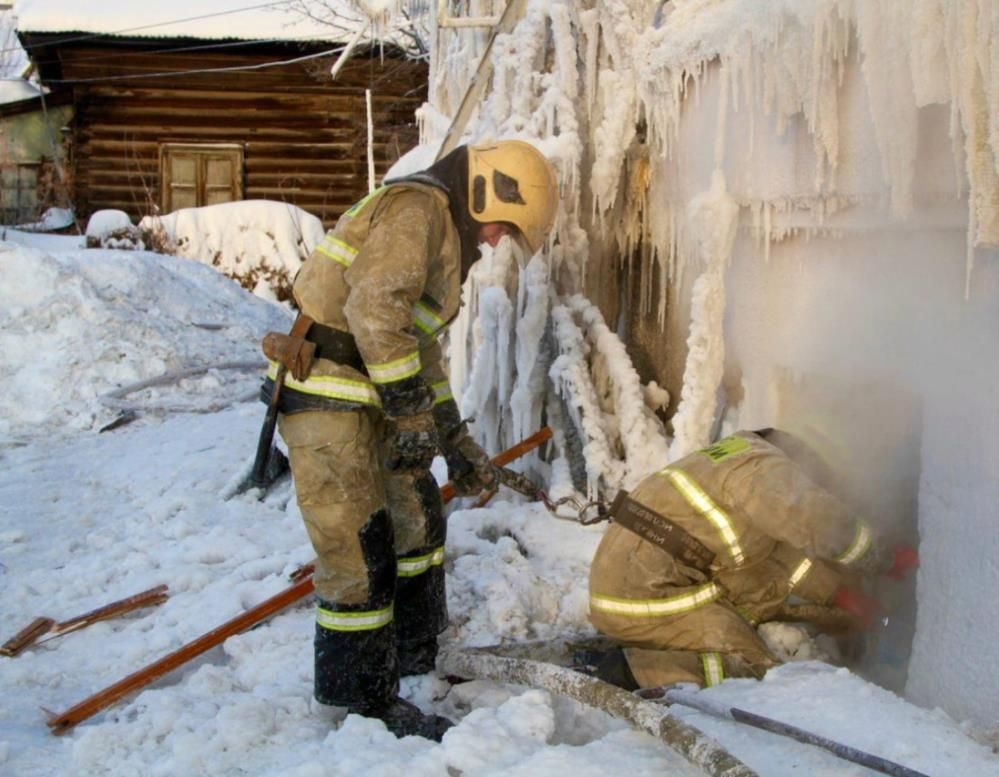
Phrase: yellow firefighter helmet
x=511 y=181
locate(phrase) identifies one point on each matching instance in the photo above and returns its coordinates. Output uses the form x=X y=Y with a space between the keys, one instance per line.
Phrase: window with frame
x=195 y=175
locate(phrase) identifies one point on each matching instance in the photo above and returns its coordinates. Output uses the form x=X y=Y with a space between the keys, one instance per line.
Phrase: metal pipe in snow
x=847 y=753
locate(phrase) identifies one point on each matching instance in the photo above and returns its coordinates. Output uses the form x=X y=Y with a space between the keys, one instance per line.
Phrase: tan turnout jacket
x=395 y=290
x=774 y=533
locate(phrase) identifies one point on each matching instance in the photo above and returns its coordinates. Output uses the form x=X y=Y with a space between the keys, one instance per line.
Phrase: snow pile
x=113 y=229
x=109 y=515
x=222 y=19
x=104 y=222
x=56 y=313
x=259 y=243
x=52 y=219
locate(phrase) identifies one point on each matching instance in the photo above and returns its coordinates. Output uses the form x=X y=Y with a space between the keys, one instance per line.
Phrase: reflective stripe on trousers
x=353 y=621
x=644 y=608
x=714 y=669
x=417 y=565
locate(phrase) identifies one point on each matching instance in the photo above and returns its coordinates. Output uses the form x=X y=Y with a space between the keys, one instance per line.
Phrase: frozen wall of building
x=789 y=212
x=853 y=328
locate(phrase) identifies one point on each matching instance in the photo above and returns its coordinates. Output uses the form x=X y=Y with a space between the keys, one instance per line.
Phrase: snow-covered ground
x=88 y=517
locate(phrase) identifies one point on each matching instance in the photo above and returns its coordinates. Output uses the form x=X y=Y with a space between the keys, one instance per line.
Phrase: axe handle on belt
x=258 y=475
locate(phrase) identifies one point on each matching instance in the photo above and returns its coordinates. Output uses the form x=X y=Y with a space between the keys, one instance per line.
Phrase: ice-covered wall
x=803 y=197
x=861 y=314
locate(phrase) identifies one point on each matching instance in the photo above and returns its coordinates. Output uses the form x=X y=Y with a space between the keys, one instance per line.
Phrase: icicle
x=642 y=438
x=570 y=376
x=713 y=216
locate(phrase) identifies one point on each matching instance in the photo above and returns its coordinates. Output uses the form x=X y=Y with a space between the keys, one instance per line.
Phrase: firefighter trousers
x=701 y=646
x=379 y=542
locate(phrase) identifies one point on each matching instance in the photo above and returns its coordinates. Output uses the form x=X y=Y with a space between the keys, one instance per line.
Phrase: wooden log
x=490 y=663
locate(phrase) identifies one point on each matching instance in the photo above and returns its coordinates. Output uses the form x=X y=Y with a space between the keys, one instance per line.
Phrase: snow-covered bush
x=260 y=244
x=113 y=229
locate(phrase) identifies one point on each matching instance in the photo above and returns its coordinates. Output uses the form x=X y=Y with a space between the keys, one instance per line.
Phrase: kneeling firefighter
x=366 y=406
x=724 y=539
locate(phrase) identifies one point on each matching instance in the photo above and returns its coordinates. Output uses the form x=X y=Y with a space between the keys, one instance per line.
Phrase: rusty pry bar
x=148 y=598
x=43 y=629
x=26 y=636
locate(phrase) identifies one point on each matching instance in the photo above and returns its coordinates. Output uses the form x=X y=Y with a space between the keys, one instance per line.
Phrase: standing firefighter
x=364 y=415
x=703 y=551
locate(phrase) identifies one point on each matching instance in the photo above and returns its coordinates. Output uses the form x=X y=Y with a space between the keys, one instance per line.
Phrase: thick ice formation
x=601 y=89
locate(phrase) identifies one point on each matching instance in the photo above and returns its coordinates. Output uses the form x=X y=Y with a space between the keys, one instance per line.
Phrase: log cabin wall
x=302 y=136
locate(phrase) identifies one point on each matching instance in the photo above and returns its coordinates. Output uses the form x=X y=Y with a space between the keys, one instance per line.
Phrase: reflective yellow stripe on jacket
x=442 y=391
x=697 y=498
x=426 y=320
x=645 y=608
x=860 y=545
x=337 y=250
x=353 y=621
x=417 y=565
x=331 y=387
x=800 y=571
x=398 y=369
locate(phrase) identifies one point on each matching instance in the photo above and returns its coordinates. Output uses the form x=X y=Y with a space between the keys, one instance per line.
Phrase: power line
x=117 y=56
x=162 y=74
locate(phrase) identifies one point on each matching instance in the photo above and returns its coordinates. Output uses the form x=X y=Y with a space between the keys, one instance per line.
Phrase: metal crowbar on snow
x=698 y=702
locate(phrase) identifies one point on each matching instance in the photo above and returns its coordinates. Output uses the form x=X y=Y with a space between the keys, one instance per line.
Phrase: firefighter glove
x=468 y=465
x=905 y=560
x=412 y=442
x=411 y=434
x=862 y=607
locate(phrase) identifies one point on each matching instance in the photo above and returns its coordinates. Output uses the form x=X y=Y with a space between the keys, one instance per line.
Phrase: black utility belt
x=335 y=345
x=660 y=531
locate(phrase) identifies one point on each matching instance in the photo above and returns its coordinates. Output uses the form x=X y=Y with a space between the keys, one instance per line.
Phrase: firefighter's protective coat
x=774 y=533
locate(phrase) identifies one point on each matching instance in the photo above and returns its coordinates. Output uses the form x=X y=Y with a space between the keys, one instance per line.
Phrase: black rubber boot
x=358 y=667
x=608 y=665
x=417 y=657
x=404 y=720
x=355 y=668
x=421 y=600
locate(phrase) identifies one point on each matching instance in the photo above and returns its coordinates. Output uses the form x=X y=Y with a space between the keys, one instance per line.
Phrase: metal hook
x=581 y=509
